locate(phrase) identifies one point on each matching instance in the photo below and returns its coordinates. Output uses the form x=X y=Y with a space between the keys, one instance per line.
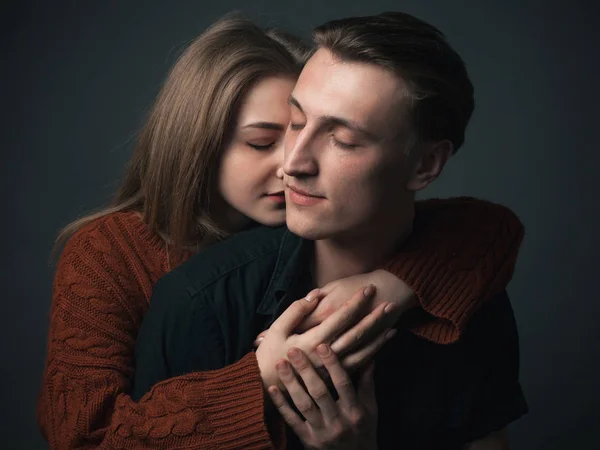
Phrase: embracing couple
x=368 y=321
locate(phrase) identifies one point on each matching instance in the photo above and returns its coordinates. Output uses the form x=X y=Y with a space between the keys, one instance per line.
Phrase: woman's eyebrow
x=265 y=125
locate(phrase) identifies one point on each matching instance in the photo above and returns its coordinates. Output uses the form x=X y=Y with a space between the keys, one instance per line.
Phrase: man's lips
x=301 y=197
x=303 y=192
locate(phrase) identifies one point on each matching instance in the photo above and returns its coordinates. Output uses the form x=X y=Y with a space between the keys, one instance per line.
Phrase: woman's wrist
x=394 y=289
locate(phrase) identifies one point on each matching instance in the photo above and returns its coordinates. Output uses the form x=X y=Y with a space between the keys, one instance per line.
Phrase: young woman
x=205 y=166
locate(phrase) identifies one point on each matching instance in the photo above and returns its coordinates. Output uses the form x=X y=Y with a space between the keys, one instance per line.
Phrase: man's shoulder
x=490 y=335
x=491 y=338
x=247 y=250
x=495 y=319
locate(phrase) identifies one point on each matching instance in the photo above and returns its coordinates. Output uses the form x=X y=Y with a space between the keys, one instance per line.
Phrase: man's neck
x=340 y=258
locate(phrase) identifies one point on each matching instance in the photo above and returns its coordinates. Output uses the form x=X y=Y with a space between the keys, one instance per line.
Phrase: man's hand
x=350 y=423
x=349 y=320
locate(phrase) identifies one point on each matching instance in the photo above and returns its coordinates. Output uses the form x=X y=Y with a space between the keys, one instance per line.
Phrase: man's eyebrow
x=334 y=120
x=265 y=126
x=350 y=125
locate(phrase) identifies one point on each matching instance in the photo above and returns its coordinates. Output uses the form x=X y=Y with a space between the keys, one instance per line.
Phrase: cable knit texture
x=462 y=251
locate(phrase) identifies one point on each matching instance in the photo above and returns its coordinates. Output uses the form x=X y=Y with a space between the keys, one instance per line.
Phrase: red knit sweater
x=461 y=253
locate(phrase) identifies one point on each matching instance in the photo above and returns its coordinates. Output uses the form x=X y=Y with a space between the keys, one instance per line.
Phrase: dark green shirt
x=206 y=314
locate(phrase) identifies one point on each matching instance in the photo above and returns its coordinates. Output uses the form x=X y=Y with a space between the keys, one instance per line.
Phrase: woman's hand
x=390 y=289
x=348 y=321
x=348 y=423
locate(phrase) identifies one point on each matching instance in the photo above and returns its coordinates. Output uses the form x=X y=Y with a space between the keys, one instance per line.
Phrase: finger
x=365 y=354
x=299 y=396
x=339 y=377
x=260 y=338
x=314 y=384
x=262 y=334
x=294 y=314
x=329 y=288
x=366 y=389
x=287 y=412
x=344 y=317
x=364 y=331
x=320 y=313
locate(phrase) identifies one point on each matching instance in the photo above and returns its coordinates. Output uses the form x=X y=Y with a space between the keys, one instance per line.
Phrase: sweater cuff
x=444 y=309
x=233 y=398
x=454 y=265
x=217 y=409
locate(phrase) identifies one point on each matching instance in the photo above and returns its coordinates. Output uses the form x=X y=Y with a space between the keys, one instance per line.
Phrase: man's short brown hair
x=436 y=76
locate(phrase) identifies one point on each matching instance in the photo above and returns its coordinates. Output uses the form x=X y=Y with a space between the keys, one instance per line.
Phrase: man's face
x=346 y=170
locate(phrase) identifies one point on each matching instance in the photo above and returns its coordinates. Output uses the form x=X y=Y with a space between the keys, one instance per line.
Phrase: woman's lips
x=277 y=197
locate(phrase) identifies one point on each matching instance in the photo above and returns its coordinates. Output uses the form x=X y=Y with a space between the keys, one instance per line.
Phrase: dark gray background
x=77 y=77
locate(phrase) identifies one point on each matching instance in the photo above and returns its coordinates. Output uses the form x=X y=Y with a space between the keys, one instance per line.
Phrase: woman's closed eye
x=261 y=146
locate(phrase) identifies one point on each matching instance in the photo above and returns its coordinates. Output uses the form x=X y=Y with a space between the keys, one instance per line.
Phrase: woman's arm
x=461 y=253
x=83 y=401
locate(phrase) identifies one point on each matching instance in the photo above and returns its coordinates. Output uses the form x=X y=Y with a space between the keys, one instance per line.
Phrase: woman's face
x=250 y=179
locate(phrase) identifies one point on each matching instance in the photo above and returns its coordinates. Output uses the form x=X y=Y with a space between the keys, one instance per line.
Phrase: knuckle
x=325 y=312
x=301 y=365
x=357 y=417
x=358 y=335
x=344 y=384
x=306 y=407
x=287 y=377
x=290 y=418
x=320 y=394
x=337 y=431
x=301 y=305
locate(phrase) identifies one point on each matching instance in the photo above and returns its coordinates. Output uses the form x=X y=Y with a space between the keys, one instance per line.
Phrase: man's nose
x=300 y=157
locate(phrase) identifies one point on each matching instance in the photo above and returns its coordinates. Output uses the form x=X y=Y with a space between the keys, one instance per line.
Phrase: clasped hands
x=332 y=332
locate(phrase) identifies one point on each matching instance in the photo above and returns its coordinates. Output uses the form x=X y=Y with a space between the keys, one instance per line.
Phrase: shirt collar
x=292 y=264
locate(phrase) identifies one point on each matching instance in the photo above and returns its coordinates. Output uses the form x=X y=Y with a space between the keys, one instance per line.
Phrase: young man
x=376 y=113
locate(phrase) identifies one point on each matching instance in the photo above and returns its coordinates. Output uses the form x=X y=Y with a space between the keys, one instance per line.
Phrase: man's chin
x=307 y=230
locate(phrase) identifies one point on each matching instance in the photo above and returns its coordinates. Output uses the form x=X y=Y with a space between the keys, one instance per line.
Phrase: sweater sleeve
x=90 y=358
x=462 y=253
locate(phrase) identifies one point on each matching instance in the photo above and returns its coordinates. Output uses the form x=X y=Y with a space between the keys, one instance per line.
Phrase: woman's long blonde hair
x=172 y=175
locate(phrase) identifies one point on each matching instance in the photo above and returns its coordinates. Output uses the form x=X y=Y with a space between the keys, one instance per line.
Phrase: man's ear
x=432 y=159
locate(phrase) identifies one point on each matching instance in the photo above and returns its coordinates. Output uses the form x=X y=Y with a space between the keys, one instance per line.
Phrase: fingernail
x=312 y=295
x=272 y=391
x=389 y=308
x=323 y=350
x=369 y=290
x=281 y=366
x=294 y=354
x=390 y=334
x=260 y=339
